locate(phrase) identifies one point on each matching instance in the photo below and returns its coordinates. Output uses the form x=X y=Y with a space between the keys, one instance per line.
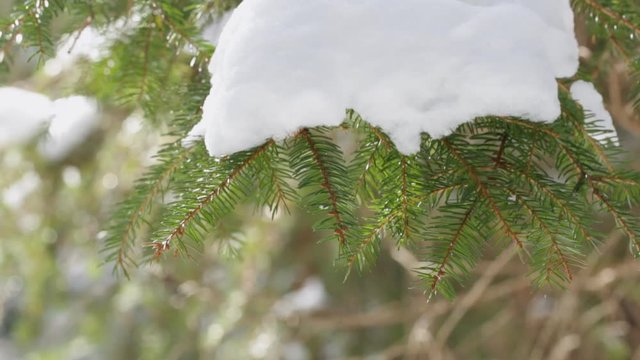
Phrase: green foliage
x=537 y=186
x=318 y=166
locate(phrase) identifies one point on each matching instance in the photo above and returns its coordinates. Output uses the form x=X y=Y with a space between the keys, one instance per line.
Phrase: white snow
x=311 y=296
x=74 y=119
x=591 y=100
x=15 y=195
x=90 y=43
x=407 y=66
x=23 y=114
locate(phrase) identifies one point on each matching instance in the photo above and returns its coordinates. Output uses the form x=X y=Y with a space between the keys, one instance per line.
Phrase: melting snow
x=408 y=67
x=591 y=100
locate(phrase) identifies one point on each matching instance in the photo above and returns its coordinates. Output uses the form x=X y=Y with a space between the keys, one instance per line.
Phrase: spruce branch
x=406 y=231
x=226 y=194
x=131 y=213
x=318 y=163
x=586 y=175
x=40 y=37
x=555 y=249
x=366 y=167
x=453 y=242
x=142 y=88
x=179 y=23
x=364 y=254
x=484 y=191
x=501 y=149
x=441 y=269
x=622 y=220
x=576 y=114
x=557 y=197
x=610 y=13
x=274 y=190
x=538 y=184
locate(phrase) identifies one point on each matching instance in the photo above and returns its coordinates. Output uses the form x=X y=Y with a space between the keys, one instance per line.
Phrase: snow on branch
x=417 y=66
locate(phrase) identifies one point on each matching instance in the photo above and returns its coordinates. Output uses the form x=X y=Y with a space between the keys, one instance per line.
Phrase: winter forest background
x=269 y=291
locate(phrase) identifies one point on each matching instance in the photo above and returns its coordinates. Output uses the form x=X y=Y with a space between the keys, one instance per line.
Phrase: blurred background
x=270 y=291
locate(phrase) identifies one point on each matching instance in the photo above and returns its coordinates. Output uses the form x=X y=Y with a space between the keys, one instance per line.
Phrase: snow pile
x=408 y=67
x=74 y=119
x=591 y=100
x=311 y=296
x=24 y=114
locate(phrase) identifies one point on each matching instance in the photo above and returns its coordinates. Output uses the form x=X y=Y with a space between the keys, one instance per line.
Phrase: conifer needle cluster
x=532 y=186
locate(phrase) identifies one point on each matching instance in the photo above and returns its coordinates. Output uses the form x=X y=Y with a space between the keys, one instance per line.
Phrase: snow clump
x=408 y=67
x=591 y=100
x=74 y=119
x=24 y=114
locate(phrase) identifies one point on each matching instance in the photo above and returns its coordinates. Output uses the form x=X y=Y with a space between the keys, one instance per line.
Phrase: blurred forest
x=280 y=297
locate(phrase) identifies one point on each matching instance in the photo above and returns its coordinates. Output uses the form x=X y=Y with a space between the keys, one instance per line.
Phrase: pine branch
x=274 y=190
x=612 y=210
x=535 y=183
x=576 y=114
x=178 y=23
x=225 y=194
x=622 y=220
x=41 y=38
x=586 y=176
x=365 y=253
x=30 y=27
x=327 y=185
x=485 y=193
x=366 y=167
x=318 y=163
x=145 y=65
x=406 y=231
x=453 y=242
x=563 y=204
x=130 y=215
x=555 y=242
x=610 y=13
